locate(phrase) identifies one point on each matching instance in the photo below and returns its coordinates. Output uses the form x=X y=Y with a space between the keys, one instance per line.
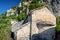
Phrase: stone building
x=39 y=25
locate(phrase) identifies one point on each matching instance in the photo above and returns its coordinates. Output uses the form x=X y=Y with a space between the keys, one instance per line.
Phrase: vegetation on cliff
x=58 y=23
x=5 y=25
x=35 y=4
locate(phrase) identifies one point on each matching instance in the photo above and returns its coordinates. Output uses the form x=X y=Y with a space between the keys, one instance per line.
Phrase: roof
x=16 y=26
x=20 y=24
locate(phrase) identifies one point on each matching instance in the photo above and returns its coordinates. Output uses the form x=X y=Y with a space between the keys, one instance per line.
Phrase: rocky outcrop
x=41 y=26
x=44 y=19
x=55 y=5
x=43 y=14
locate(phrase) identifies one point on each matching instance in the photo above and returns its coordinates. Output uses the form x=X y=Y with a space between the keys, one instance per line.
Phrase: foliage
x=14 y=8
x=34 y=1
x=5 y=29
x=22 y=16
x=45 y=0
x=3 y=16
x=58 y=23
x=5 y=34
x=14 y=17
x=25 y=0
x=37 y=5
x=40 y=5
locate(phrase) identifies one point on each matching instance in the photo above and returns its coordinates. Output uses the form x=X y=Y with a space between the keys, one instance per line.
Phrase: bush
x=37 y=5
x=5 y=32
x=22 y=16
x=45 y=0
x=4 y=16
x=19 y=17
x=35 y=1
x=32 y=6
x=58 y=27
x=58 y=23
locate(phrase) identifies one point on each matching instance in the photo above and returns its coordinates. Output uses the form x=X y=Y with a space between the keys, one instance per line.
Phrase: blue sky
x=7 y=4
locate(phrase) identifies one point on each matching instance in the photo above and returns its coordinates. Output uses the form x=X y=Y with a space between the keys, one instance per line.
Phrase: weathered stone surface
x=41 y=29
x=45 y=31
x=25 y=32
x=43 y=14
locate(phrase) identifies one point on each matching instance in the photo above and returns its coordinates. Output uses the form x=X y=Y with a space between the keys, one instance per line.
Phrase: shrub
x=5 y=31
x=32 y=6
x=35 y=1
x=58 y=23
x=45 y=0
x=22 y=16
x=37 y=5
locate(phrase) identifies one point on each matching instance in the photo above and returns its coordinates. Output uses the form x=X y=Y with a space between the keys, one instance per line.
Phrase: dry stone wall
x=39 y=32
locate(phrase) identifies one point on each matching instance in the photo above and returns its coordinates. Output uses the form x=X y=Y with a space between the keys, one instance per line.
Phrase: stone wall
x=38 y=32
x=23 y=33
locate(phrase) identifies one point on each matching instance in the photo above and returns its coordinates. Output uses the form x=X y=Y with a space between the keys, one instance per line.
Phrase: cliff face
x=55 y=6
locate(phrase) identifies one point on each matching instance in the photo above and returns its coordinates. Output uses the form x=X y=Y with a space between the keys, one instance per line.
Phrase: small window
x=12 y=35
